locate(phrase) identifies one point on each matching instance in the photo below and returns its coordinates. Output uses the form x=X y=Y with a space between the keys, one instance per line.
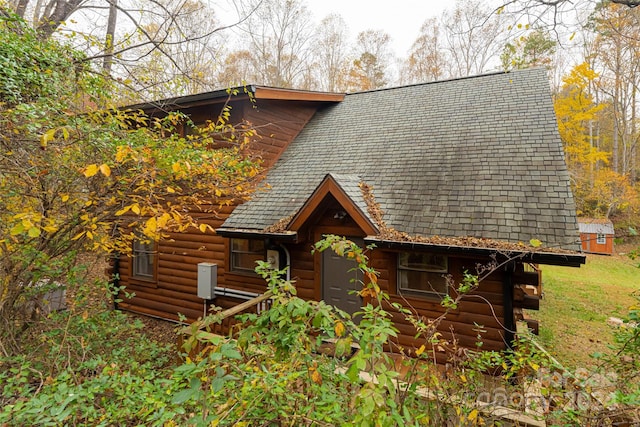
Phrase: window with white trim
x=601 y=238
x=422 y=274
x=245 y=253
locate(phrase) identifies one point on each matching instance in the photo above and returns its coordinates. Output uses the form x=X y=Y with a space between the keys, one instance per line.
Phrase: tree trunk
x=55 y=13
x=21 y=8
x=109 y=38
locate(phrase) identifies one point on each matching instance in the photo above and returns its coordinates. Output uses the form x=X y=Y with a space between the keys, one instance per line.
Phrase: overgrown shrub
x=295 y=365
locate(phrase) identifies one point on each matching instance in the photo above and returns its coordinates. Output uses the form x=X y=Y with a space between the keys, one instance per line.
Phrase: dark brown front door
x=340 y=279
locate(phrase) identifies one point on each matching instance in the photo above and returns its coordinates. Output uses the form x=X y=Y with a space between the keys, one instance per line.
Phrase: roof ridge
x=452 y=79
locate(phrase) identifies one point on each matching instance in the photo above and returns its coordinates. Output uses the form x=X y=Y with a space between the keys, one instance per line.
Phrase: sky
x=401 y=19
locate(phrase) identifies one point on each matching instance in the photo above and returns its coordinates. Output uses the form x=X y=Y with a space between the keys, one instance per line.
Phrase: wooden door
x=340 y=280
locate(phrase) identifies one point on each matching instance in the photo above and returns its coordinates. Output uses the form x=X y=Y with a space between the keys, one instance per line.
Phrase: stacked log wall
x=173 y=292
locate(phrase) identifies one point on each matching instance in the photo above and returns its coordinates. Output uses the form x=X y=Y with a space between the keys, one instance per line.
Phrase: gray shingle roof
x=478 y=156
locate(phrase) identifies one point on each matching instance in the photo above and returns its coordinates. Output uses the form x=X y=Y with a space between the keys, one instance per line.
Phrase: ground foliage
x=98 y=368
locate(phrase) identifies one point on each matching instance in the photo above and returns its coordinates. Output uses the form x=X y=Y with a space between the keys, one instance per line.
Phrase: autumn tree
x=535 y=49
x=188 y=54
x=552 y=14
x=474 y=37
x=576 y=111
x=330 y=58
x=278 y=35
x=236 y=68
x=372 y=58
x=617 y=57
x=427 y=59
x=599 y=190
x=157 y=47
x=76 y=179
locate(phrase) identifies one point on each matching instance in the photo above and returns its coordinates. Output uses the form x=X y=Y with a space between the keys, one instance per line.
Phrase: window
x=601 y=239
x=144 y=260
x=245 y=253
x=422 y=274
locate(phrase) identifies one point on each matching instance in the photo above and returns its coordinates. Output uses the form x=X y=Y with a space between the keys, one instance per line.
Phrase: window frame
x=147 y=248
x=601 y=238
x=440 y=273
x=235 y=253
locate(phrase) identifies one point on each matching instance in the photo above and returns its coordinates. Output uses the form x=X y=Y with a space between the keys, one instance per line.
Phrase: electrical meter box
x=207 y=280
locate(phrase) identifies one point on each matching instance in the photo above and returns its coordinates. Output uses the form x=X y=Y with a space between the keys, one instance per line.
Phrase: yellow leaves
x=473 y=415
x=17 y=229
x=170 y=190
x=123 y=211
x=162 y=221
x=420 y=350
x=93 y=169
x=105 y=169
x=535 y=243
x=135 y=208
x=122 y=152
x=339 y=329
x=64 y=198
x=204 y=227
x=316 y=377
x=575 y=110
x=150 y=227
x=31 y=224
x=78 y=236
x=46 y=137
x=176 y=167
x=51 y=134
x=50 y=228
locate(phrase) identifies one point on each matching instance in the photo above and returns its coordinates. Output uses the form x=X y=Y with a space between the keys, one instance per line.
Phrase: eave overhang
x=536 y=257
x=242 y=233
x=241 y=93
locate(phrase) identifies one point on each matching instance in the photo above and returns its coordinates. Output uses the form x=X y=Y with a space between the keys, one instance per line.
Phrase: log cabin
x=443 y=178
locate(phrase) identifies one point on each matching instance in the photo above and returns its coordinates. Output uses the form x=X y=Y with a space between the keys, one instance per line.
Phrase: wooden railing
x=227 y=317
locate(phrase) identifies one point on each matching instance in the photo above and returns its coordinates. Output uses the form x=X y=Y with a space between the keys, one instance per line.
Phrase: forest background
x=164 y=48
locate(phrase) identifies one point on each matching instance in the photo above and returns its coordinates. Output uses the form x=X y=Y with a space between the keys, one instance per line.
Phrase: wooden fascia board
x=221 y=96
x=329 y=186
x=545 y=258
x=287 y=236
x=261 y=92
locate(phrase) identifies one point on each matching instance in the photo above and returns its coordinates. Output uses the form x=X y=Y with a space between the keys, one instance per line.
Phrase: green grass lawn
x=577 y=303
